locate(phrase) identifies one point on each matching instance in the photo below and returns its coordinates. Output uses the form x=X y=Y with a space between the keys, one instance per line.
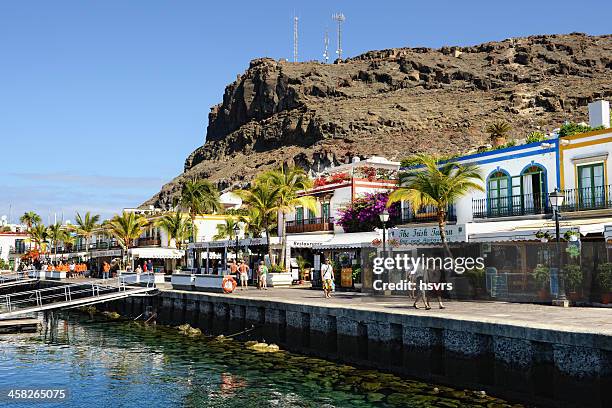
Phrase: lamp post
x=384 y=218
x=236 y=231
x=556 y=200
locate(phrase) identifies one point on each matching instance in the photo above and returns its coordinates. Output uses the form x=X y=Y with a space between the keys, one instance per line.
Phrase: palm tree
x=56 y=233
x=262 y=198
x=30 y=219
x=177 y=226
x=126 y=228
x=199 y=197
x=226 y=230
x=498 y=131
x=254 y=222
x=291 y=183
x=39 y=235
x=85 y=227
x=438 y=185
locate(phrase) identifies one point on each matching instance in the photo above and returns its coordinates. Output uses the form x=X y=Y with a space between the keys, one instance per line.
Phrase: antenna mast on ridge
x=339 y=18
x=295 y=38
x=326 y=52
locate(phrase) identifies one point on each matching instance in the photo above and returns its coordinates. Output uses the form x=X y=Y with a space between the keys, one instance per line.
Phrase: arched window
x=497 y=193
x=533 y=189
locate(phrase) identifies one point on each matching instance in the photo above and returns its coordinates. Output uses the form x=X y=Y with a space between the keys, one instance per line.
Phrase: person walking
x=262 y=274
x=150 y=266
x=327 y=278
x=145 y=267
x=244 y=274
x=71 y=270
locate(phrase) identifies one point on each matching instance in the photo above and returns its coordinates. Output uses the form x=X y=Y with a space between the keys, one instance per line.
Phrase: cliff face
x=394 y=103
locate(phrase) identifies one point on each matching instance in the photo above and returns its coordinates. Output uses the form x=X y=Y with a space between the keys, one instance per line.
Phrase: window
x=325 y=211
x=591 y=189
x=299 y=215
x=311 y=215
x=533 y=190
x=497 y=192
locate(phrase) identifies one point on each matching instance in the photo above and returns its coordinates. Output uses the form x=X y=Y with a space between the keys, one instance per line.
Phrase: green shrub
x=535 y=137
x=604 y=276
x=541 y=274
x=573 y=277
x=572 y=128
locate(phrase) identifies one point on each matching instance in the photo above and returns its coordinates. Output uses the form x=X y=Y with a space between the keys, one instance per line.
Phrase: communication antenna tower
x=339 y=18
x=326 y=52
x=295 y=38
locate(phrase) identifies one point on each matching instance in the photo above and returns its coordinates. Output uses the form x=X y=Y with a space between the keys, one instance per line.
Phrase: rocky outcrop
x=395 y=102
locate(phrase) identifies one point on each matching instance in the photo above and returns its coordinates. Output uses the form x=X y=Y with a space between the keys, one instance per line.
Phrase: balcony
x=310 y=225
x=576 y=199
x=585 y=199
x=511 y=206
x=149 y=241
x=426 y=214
x=101 y=245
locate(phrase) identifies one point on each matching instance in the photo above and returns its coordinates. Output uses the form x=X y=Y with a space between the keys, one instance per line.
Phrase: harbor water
x=128 y=364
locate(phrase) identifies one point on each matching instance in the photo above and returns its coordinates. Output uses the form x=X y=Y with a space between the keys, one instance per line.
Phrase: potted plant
x=573 y=281
x=477 y=280
x=543 y=236
x=303 y=267
x=541 y=274
x=604 y=278
x=571 y=235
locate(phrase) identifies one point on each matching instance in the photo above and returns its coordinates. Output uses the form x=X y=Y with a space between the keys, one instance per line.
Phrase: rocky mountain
x=394 y=103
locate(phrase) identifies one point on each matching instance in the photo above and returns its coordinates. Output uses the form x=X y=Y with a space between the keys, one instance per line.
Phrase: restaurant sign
x=429 y=234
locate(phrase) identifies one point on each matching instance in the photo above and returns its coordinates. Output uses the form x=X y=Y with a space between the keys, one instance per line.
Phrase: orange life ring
x=228 y=284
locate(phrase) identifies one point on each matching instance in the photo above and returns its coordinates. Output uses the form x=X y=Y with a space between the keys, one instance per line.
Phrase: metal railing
x=76 y=293
x=589 y=198
x=149 y=241
x=310 y=225
x=427 y=214
x=576 y=199
x=64 y=293
x=510 y=206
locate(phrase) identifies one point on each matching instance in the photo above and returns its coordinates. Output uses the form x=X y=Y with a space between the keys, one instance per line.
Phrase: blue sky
x=102 y=101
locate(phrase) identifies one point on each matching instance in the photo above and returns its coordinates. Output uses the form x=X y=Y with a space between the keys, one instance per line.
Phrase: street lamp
x=384 y=218
x=556 y=201
x=236 y=230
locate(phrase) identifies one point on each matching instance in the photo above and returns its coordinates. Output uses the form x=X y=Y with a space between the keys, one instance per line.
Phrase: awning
x=350 y=240
x=307 y=240
x=156 y=253
x=525 y=231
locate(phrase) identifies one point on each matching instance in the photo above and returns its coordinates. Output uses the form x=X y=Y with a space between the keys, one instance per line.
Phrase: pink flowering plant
x=363 y=214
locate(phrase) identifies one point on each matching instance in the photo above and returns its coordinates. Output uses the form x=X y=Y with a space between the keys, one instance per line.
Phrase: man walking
x=327 y=277
x=244 y=274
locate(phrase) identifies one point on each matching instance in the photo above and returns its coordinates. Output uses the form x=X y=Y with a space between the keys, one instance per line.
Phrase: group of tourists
x=241 y=271
x=146 y=267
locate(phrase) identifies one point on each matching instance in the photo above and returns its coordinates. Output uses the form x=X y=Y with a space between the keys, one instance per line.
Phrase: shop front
x=345 y=251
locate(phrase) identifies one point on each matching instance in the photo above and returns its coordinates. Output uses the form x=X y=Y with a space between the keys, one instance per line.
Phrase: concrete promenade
x=572 y=320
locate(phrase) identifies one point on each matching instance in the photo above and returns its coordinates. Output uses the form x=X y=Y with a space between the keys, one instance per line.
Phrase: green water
x=132 y=365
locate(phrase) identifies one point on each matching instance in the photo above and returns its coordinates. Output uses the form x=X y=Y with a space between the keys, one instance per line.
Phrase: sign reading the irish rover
x=428 y=234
